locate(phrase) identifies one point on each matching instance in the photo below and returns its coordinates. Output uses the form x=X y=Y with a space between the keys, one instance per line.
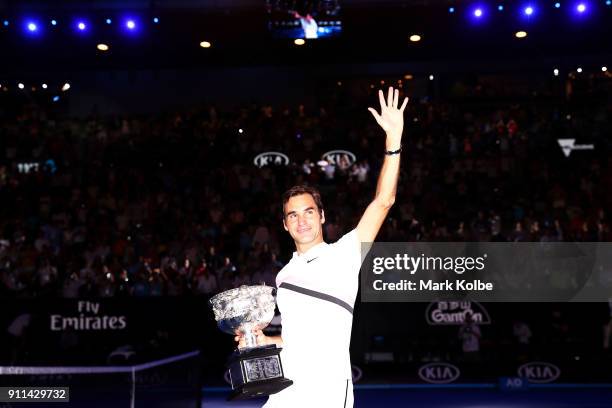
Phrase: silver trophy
x=254 y=370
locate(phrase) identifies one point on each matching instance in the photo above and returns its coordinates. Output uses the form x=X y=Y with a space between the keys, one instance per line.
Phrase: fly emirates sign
x=88 y=317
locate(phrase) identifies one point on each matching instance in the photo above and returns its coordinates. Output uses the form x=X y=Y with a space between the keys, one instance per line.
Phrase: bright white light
x=130 y=24
x=581 y=8
x=529 y=10
x=240 y=131
x=205 y=44
x=53 y=22
x=299 y=41
x=579 y=70
x=431 y=77
x=415 y=38
x=555 y=72
x=66 y=87
x=82 y=26
x=520 y=34
x=478 y=12
x=604 y=69
x=20 y=85
x=44 y=86
x=102 y=47
x=32 y=27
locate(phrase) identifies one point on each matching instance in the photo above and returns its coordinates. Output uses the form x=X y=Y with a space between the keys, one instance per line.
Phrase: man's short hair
x=303 y=189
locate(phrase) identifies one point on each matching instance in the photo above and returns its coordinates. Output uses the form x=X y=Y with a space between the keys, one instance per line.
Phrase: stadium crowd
x=169 y=204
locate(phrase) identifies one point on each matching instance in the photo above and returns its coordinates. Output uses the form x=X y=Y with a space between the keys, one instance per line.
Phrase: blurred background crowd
x=173 y=204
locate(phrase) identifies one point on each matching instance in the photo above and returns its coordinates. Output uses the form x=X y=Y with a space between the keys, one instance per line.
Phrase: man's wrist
x=392 y=145
x=393 y=152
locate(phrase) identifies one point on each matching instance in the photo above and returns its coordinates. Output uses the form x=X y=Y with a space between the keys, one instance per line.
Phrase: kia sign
x=439 y=373
x=539 y=372
x=454 y=312
x=334 y=157
x=271 y=159
x=357 y=373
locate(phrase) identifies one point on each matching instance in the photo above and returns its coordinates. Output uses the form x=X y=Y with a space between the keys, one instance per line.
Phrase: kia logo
x=439 y=373
x=357 y=373
x=271 y=158
x=334 y=156
x=539 y=372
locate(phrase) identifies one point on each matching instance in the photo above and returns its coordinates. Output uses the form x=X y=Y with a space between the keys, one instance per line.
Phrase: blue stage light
x=451 y=9
x=478 y=12
x=528 y=10
x=557 y=5
x=81 y=26
x=130 y=24
x=608 y=2
x=155 y=20
x=500 y=7
x=109 y=21
x=581 y=8
x=5 y=23
x=56 y=98
x=53 y=22
x=32 y=27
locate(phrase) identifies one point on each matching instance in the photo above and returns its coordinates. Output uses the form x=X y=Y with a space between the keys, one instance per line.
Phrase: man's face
x=303 y=221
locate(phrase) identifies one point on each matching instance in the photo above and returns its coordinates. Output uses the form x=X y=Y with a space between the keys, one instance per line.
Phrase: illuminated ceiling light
x=604 y=69
x=451 y=9
x=581 y=8
x=500 y=7
x=32 y=27
x=205 y=44
x=431 y=77
x=5 y=23
x=109 y=21
x=299 y=41
x=528 y=10
x=130 y=24
x=520 y=34
x=81 y=26
x=102 y=47
x=53 y=22
x=557 y=5
x=478 y=12
x=579 y=70
x=44 y=86
x=156 y=20
x=66 y=87
x=20 y=85
x=408 y=76
x=415 y=38
x=555 y=72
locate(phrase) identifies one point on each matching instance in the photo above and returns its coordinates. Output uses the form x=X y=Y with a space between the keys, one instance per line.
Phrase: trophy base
x=262 y=389
x=256 y=372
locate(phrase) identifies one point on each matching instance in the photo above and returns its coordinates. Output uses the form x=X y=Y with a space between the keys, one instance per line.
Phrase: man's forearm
x=386 y=186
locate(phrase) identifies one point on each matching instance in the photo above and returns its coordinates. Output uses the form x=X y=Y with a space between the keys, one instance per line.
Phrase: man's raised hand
x=391 y=118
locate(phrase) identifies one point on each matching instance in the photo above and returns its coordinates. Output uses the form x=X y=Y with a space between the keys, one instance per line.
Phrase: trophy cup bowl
x=254 y=370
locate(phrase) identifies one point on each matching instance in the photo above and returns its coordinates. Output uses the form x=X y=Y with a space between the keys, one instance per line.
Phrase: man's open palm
x=391 y=118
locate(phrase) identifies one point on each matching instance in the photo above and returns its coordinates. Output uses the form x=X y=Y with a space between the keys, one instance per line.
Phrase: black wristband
x=392 y=152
